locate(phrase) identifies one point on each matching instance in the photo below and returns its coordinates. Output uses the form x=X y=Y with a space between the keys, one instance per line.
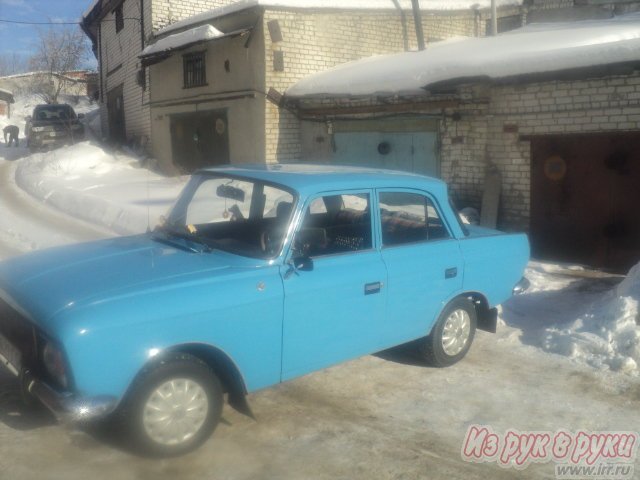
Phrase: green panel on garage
x=409 y=145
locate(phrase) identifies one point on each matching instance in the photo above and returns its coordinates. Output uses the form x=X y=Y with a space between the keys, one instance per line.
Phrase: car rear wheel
x=452 y=335
x=174 y=407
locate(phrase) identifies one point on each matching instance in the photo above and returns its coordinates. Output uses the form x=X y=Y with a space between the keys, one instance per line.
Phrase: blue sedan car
x=258 y=275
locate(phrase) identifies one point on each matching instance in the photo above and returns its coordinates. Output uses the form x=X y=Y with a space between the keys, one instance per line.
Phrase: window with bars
x=194 y=70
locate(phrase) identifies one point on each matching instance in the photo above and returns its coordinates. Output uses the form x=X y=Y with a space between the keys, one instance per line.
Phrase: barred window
x=194 y=70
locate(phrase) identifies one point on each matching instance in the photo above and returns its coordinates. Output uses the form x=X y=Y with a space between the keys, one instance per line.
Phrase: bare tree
x=59 y=50
x=12 y=63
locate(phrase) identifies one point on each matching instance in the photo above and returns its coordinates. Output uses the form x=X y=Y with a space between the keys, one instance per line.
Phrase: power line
x=2 y=20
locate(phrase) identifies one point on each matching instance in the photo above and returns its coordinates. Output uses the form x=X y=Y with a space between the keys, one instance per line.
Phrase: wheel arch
x=487 y=317
x=220 y=363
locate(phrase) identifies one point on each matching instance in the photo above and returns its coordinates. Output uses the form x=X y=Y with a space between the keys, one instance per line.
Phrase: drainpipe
x=494 y=17
x=417 y=19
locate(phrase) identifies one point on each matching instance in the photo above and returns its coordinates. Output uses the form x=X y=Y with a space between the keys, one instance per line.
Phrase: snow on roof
x=427 y=5
x=6 y=95
x=182 y=40
x=532 y=49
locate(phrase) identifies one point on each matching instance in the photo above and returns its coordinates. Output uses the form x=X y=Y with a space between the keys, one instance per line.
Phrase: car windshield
x=54 y=112
x=238 y=215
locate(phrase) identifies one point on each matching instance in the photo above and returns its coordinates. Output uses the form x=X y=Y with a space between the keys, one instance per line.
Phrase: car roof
x=311 y=178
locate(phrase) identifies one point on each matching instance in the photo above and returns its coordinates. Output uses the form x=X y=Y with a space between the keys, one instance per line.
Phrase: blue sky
x=21 y=38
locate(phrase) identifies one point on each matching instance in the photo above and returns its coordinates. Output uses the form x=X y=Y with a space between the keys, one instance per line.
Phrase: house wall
x=166 y=12
x=119 y=66
x=478 y=140
x=237 y=90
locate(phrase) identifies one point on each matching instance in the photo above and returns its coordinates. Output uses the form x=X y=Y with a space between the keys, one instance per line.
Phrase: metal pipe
x=494 y=17
x=417 y=20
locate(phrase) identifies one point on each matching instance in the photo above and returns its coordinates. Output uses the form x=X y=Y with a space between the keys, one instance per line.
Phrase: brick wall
x=317 y=40
x=165 y=12
x=478 y=139
x=119 y=61
x=314 y=41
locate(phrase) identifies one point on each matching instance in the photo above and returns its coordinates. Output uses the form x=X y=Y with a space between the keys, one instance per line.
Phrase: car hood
x=41 y=284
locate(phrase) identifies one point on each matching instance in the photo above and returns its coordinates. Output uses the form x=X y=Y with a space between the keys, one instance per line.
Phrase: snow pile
x=608 y=335
x=111 y=190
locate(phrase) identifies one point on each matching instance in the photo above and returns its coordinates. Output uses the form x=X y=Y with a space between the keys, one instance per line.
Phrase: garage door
x=409 y=145
x=585 y=199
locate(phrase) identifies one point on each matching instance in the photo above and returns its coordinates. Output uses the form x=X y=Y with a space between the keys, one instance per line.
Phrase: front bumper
x=67 y=407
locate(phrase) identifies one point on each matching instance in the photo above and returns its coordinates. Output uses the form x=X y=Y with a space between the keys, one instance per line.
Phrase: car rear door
x=423 y=261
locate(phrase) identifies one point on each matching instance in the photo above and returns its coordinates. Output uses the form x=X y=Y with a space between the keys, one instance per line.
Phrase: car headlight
x=38 y=129
x=54 y=364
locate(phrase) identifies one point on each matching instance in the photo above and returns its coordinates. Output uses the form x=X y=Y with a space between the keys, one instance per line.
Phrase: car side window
x=335 y=224
x=408 y=218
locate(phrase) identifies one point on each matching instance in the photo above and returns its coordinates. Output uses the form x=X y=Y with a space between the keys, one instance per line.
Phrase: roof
x=6 y=96
x=537 y=48
x=165 y=46
x=431 y=5
x=311 y=178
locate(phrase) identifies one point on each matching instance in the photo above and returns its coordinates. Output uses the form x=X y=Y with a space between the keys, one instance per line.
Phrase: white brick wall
x=602 y=105
x=119 y=54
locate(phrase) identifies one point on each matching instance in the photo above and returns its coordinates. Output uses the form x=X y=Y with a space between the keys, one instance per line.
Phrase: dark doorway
x=585 y=199
x=199 y=139
x=115 y=110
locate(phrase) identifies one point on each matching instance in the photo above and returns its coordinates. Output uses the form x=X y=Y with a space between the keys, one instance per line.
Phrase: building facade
x=287 y=42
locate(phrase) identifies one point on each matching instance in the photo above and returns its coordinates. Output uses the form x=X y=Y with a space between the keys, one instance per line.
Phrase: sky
x=20 y=39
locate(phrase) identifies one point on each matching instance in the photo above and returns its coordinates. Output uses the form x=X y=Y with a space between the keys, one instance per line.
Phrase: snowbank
x=106 y=189
x=608 y=335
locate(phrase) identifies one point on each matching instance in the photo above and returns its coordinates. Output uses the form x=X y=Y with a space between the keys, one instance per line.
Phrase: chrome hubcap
x=175 y=411
x=455 y=334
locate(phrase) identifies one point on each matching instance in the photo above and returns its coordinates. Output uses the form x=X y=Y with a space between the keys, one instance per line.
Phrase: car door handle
x=451 y=272
x=371 y=288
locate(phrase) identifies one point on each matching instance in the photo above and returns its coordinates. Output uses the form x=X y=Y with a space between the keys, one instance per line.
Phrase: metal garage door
x=585 y=199
x=409 y=145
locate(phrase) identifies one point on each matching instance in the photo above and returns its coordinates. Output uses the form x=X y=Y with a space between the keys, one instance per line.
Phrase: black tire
x=432 y=348
x=179 y=368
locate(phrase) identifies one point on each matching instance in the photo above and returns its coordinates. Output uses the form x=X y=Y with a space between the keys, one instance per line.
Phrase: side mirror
x=80 y=116
x=298 y=264
x=304 y=264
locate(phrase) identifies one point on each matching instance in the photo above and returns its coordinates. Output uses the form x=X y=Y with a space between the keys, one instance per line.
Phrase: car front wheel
x=452 y=335
x=174 y=407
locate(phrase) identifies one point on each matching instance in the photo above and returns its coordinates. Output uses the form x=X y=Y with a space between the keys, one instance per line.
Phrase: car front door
x=335 y=311
x=423 y=261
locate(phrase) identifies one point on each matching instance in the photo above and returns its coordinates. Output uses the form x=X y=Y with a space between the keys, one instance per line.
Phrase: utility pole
x=417 y=20
x=494 y=17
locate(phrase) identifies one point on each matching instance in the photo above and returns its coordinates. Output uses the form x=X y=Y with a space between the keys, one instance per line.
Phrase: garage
x=408 y=144
x=199 y=139
x=585 y=199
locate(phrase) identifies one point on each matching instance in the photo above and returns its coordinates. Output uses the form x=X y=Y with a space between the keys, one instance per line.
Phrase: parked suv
x=53 y=125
